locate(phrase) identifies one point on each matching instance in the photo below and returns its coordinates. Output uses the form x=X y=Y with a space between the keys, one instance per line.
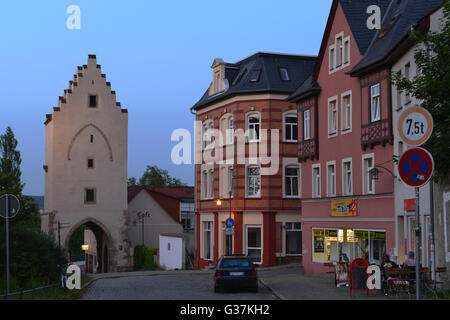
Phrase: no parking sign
x=416 y=167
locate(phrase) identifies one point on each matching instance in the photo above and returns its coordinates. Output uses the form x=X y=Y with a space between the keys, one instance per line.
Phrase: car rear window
x=234 y=263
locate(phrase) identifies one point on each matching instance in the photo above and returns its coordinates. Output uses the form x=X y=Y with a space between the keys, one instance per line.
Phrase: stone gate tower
x=86 y=166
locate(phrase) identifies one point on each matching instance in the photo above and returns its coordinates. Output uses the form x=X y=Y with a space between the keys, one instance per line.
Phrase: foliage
x=431 y=86
x=33 y=255
x=143 y=258
x=10 y=164
x=156 y=177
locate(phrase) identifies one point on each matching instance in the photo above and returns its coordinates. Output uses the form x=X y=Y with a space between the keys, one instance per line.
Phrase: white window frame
x=346 y=129
x=307 y=125
x=249 y=131
x=346 y=52
x=339 y=50
x=247 y=182
x=331 y=60
x=372 y=96
x=345 y=192
x=211 y=183
x=208 y=135
x=334 y=132
x=285 y=195
x=366 y=175
x=211 y=243
x=316 y=186
x=261 y=240
x=205 y=189
x=291 y=126
x=331 y=184
x=230 y=133
x=334 y=52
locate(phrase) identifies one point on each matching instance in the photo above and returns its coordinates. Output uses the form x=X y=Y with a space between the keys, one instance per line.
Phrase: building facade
x=246 y=141
x=86 y=166
x=345 y=131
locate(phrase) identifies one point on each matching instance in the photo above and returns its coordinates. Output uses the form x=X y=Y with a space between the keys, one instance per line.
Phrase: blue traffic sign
x=229 y=223
x=416 y=167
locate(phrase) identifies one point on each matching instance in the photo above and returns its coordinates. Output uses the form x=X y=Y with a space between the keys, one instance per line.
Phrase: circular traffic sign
x=229 y=223
x=13 y=204
x=416 y=167
x=415 y=126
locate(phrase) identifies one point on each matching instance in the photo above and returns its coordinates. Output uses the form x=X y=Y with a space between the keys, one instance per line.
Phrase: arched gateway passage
x=94 y=234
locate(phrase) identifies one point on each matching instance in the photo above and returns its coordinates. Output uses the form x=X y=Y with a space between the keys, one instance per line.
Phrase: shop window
x=348 y=244
x=293 y=238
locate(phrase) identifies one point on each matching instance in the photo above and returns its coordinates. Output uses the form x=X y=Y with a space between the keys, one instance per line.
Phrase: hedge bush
x=143 y=258
x=34 y=257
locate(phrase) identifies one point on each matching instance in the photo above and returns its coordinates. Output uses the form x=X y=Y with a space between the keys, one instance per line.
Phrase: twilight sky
x=156 y=54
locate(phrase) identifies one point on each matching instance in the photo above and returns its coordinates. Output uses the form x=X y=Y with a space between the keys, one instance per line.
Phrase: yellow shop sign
x=344 y=208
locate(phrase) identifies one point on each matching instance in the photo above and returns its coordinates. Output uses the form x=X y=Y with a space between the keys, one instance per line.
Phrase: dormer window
x=284 y=74
x=254 y=77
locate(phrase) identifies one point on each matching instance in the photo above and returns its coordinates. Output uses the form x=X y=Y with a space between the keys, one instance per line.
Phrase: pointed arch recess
x=102 y=134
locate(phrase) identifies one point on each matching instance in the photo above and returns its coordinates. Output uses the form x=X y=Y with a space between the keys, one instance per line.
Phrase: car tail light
x=218 y=274
x=253 y=273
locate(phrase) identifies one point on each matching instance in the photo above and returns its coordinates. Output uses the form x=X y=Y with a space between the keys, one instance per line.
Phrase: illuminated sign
x=344 y=208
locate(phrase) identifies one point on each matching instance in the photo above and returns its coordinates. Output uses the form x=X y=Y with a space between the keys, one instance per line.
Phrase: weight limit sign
x=415 y=126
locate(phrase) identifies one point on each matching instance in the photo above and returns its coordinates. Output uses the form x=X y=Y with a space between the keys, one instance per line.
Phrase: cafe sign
x=344 y=208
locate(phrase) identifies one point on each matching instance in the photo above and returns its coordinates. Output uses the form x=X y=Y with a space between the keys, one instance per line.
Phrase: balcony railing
x=374 y=133
x=307 y=149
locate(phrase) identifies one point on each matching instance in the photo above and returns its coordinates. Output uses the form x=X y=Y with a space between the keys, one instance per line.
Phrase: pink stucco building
x=346 y=148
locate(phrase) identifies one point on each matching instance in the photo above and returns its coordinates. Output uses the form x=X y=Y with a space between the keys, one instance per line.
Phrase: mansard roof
x=269 y=79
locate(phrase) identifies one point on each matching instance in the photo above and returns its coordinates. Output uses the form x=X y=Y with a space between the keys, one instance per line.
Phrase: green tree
x=431 y=86
x=10 y=161
x=10 y=181
x=156 y=177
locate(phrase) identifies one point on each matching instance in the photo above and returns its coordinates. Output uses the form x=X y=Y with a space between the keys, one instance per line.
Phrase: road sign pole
x=417 y=253
x=7 y=246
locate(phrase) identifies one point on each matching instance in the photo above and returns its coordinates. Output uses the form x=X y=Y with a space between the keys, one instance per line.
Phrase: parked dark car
x=233 y=272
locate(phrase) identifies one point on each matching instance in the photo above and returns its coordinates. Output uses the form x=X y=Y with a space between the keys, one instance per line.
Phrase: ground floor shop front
x=268 y=237
x=342 y=230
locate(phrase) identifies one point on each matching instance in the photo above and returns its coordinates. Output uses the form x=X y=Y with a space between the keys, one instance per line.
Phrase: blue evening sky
x=156 y=54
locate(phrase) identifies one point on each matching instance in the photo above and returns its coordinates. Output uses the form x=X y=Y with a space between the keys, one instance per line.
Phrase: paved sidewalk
x=289 y=283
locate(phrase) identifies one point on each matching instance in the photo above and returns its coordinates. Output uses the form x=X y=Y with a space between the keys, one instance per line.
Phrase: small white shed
x=171 y=251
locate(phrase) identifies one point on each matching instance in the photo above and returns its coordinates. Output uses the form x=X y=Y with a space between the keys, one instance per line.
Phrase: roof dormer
x=219 y=83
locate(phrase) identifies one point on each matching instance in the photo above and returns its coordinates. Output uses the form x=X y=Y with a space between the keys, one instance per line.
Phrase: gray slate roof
x=239 y=74
x=355 y=12
x=396 y=24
